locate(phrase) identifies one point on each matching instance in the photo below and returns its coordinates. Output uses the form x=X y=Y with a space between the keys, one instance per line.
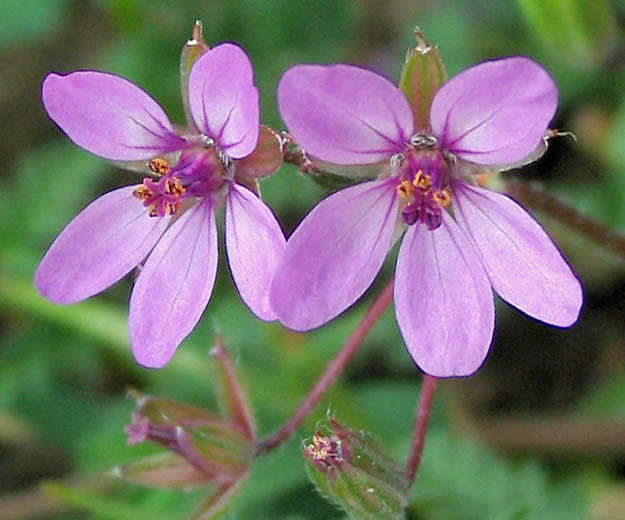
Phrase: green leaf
x=99 y=505
x=460 y=480
x=577 y=31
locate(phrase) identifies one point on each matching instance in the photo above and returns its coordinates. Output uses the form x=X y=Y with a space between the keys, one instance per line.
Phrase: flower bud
x=350 y=470
x=204 y=448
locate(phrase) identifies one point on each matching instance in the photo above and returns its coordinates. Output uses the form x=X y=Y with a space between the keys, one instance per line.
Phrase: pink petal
x=334 y=254
x=108 y=116
x=495 y=112
x=344 y=114
x=523 y=264
x=224 y=100
x=443 y=301
x=254 y=242
x=174 y=287
x=103 y=243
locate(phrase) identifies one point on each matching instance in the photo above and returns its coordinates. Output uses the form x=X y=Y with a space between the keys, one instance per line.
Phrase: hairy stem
x=421 y=425
x=534 y=195
x=331 y=373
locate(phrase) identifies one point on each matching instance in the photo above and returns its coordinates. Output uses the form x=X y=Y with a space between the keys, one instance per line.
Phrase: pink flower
x=192 y=173
x=460 y=239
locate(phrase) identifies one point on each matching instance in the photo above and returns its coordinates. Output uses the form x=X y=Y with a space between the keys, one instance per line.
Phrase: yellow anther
x=174 y=187
x=159 y=165
x=442 y=198
x=142 y=192
x=405 y=190
x=422 y=181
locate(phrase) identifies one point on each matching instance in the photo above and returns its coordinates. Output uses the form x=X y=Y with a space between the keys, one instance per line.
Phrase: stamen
x=405 y=190
x=162 y=197
x=422 y=202
x=159 y=166
x=442 y=198
x=422 y=181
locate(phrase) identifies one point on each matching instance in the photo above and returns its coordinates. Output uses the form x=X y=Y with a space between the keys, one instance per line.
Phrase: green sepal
x=232 y=397
x=191 y=51
x=422 y=75
x=222 y=447
x=168 y=412
x=265 y=159
x=163 y=470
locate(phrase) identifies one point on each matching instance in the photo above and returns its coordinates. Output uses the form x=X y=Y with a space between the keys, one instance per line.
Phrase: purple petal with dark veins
x=443 y=301
x=495 y=112
x=108 y=116
x=254 y=242
x=523 y=264
x=224 y=100
x=344 y=114
x=103 y=243
x=334 y=254
x=174 y=287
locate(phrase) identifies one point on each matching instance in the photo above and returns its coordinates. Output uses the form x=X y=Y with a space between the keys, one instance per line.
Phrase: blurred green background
x=539 y=433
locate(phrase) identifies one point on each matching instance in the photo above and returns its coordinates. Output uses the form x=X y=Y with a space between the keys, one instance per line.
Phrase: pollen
x=405 y=190
x=323 y=449
x=159 y=166
x=161 y=198
x=422 y=181
x=442 y=198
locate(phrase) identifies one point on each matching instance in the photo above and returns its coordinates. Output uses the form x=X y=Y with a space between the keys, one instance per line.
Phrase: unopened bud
x=351 y=470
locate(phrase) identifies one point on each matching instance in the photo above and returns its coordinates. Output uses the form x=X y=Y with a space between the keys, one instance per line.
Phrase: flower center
x=198 y=172
x=324 y=450
x=162 y=197
x=423 y=194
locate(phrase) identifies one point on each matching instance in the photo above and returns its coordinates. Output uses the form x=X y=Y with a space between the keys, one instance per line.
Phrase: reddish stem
x=331 y=373
x=533 y=194
x=421 y=425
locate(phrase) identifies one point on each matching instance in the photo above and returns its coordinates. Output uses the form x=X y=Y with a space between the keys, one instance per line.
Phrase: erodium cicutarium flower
x=167 y=224
x=460 y=239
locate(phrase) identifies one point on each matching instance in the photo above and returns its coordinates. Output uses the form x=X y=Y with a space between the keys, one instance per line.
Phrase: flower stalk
x=331 y=373
x=421 y=425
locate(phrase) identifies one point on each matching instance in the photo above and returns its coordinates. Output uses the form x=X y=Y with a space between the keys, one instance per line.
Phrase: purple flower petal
x=443 y=301
x=334 y=254
x=224 y=100
x=254 y=242
x=174 y=287
x=523 y=264
x=108 y=116
x=103 y=243
x=495 y=112
x=344 y=114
